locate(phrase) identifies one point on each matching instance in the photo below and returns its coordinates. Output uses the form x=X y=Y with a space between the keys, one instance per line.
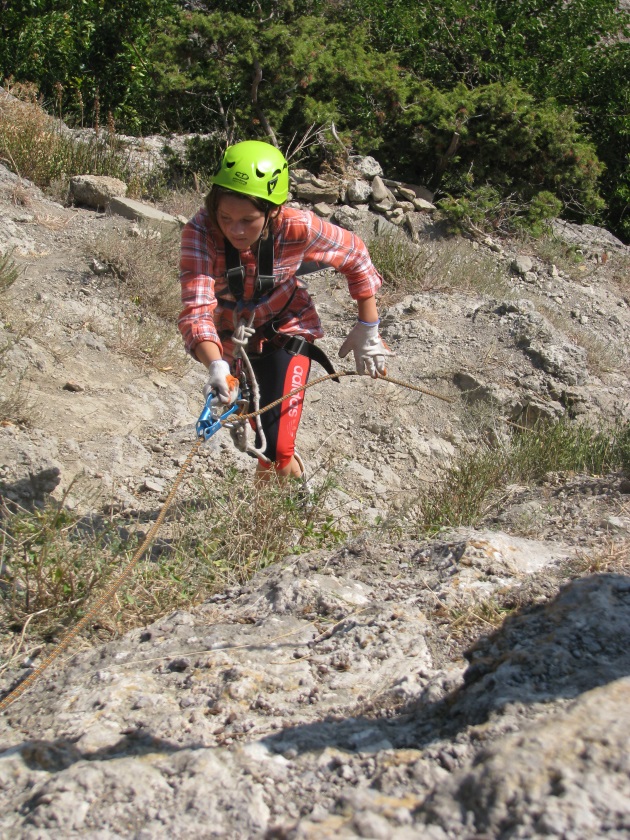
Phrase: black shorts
x=279 y=372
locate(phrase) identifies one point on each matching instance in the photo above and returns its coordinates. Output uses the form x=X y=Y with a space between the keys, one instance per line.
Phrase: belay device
x=212 y=415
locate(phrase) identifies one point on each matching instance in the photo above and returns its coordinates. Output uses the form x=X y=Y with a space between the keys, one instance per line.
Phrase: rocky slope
x=343 y=693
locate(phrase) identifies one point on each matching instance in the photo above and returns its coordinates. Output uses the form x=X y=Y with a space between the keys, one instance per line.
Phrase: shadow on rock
x=558 y=650
x=27 y=492
x=54 y=756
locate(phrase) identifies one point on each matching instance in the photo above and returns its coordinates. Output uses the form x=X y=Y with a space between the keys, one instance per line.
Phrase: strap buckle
x=296 y=345
x=264 y=284
x=236 y=280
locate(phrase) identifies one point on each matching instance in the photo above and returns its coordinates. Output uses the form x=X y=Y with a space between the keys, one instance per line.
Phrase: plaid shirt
x=209 y=309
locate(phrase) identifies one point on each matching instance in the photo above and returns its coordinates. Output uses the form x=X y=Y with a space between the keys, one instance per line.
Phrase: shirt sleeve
x=196 y=320
x=344 y=251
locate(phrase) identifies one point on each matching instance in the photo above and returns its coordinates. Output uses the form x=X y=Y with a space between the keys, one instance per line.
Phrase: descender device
x=214 y=414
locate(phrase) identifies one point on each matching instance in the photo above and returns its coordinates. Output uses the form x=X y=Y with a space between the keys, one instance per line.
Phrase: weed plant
x=150 y=341
x=8 y=272
x=601 y=355
x=147 y=269
x=564 y=256
x=36 y=146
x=251 y=527
x=15 y=407
x=473 y=486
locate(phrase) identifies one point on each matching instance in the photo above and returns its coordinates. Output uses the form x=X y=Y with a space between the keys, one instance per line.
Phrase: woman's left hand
x=369 y=349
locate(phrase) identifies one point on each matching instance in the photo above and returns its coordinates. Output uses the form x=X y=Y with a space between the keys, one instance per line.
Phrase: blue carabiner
x=211 y=420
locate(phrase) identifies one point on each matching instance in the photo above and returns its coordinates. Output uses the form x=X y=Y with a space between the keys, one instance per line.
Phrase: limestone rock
x=366 y=166
x=96 y=191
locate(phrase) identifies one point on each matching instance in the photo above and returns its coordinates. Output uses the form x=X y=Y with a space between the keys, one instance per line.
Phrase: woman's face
x=240 y=221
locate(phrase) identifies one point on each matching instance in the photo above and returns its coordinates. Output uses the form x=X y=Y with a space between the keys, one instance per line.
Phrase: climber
x=242 y=299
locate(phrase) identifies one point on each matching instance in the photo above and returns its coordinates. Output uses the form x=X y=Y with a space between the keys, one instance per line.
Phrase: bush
x=496 y=156
x=485 y=209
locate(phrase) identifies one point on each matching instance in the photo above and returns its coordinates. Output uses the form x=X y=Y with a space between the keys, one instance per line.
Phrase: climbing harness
x=245 y=334
x=235 y=271
x=207 y=425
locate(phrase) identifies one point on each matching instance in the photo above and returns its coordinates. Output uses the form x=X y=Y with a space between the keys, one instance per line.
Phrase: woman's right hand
x=221 y=382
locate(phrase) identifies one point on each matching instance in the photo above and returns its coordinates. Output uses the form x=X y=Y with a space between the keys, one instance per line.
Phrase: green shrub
x=485 y=209
x=496 y=156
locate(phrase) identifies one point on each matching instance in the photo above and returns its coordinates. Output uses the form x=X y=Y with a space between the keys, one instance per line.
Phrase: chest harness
x=263 y=286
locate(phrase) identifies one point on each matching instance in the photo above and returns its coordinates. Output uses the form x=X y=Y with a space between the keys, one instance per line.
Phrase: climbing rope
x=243 y=332
x=118 y=581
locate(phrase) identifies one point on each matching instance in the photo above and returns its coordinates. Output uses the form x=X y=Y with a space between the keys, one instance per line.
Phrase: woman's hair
x=215 y=195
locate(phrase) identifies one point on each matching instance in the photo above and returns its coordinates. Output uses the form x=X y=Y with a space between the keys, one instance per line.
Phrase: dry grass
x=602 y=356
x=613 y=558
x=182 y=203
x=148 y=340
x=452 y=264
x=565 y=257
x=16 y=404
x=620 y=270
x=53 y=563
x=9 y=272
x=147 y=268
x=468 y=619
x=37 y=146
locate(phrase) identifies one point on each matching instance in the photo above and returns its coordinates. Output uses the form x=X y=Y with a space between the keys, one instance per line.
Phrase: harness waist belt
x=297 y=346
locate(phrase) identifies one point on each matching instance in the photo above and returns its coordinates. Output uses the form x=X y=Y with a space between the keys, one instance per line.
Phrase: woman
x=239 y=259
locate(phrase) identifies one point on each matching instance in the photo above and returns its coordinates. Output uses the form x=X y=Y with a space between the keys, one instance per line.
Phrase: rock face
x=372 y=691
x=317 y=699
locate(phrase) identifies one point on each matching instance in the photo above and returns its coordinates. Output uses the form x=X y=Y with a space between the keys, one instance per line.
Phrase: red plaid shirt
x=300 y=236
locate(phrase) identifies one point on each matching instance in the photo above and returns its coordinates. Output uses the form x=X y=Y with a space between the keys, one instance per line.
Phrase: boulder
x=317 y=191
x=96 y=191
x=380 y=193
x=139 y=212
x=366 y=166
x=358 y=191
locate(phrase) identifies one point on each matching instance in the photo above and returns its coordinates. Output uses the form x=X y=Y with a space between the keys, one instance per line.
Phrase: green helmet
x=255 y=169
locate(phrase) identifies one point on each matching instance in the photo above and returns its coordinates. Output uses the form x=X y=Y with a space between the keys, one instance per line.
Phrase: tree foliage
x=519 y=98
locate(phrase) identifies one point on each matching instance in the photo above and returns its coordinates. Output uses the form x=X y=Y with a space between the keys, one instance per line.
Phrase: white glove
x=368 y=348
x=221 y=382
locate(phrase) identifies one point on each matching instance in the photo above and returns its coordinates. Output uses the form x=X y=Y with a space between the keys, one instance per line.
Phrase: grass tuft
x=9 y=272
x=146 y=266
x=54 y=562
x=38 y=147
x=474 y=485
x=453 y=264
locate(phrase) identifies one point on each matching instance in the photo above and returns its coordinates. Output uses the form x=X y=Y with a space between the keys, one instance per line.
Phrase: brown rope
x=98 y=605
x=104 y=598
